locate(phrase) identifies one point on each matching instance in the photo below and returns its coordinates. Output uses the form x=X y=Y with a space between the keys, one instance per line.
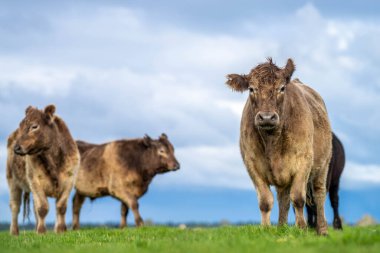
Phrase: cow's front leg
x=124 y=214
x=132 y=203
x=283 y=197
x=265 y=198
x=298 y=198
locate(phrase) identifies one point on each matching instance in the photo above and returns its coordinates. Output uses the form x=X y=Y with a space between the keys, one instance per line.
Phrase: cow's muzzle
x=267 y=120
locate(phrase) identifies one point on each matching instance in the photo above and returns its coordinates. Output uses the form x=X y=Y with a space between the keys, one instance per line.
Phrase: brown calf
x=43 y=159
x=285 y=140
x=122 y=169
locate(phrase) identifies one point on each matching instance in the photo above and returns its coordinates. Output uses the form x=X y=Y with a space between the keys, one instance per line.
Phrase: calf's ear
x=147 y=141
x=237 y=82
x=288 y=70
x=49 y=112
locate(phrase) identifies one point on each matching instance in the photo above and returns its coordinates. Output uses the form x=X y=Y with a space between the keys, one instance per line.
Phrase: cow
x=43 y=159
x=332 y=185
x=122 y=169
x=285 y=140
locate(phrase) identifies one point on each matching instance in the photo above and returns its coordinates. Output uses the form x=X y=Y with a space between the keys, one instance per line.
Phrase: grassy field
x=219 y=239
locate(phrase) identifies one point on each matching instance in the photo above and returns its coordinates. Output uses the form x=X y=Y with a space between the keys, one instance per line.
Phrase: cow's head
x=267 y=85
x=35 y=131
x=164 y=152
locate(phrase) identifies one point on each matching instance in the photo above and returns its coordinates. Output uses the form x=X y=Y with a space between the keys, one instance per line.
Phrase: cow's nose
x=267 y=116
x=267 y=119
x=178 y=166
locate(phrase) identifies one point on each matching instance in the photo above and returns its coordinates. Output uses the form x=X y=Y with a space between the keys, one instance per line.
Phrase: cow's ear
x=28 y=109
x=147 y=141
x=49 y=112
x=237 y=82
x=288 y=70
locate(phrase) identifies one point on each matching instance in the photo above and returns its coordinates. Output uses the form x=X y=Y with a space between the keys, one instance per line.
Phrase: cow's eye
x=34 y=127
x=161 y=151
x=252 y=90
x=282 y=89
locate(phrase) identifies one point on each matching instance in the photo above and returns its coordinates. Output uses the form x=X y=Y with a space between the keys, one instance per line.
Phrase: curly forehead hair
x=266 y=72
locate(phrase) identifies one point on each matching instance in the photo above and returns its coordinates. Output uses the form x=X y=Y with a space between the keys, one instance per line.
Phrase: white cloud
x=115 y=71
x=212 y=166
x=357 y=175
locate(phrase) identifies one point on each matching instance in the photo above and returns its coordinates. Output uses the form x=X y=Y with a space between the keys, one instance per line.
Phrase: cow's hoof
x=41 y=230
x=139 y=222
x=14 y=231
x=337 y=224
x=60 y=228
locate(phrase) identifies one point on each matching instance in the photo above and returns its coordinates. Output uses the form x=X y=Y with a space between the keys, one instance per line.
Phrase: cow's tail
x=310 y=194
x=26 y=204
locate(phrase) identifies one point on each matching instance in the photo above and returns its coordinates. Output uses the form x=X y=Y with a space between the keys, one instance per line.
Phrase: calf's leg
x=124 y=214
x=77 y=205
x=14 y=203
x=41 y=209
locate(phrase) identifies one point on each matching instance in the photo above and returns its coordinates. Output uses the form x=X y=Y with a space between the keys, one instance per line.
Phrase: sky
x=121 y=69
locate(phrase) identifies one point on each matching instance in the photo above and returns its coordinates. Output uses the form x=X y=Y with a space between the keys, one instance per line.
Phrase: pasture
x=246 y=238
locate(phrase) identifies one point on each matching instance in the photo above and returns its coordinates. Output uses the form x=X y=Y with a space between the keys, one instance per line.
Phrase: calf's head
x=35 y=131
x=163 y=152
x=267 y=85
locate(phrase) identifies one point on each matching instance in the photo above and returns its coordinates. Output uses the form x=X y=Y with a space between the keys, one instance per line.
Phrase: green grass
x=220 y=239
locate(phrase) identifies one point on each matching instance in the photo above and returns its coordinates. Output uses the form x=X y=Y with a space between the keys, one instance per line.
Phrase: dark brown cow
x=43 y=159
x=285 y=140
x=122 y=169
x=332 y=184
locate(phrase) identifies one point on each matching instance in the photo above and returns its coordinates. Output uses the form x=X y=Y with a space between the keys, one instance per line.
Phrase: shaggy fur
x=43 y=159
x=122 y=169
x=285 y=140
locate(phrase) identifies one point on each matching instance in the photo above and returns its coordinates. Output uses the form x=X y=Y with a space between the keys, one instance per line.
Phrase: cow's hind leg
x=320 y=197
x=283 y=197
x=77 y=205
x=334 y=200
x=15 y=203
x=311 y=215
x=124 y=214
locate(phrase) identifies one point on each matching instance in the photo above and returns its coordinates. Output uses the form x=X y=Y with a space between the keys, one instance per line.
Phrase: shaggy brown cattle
x=285 y=140
x=122 y=169
x=332 y=184
x=43 y=159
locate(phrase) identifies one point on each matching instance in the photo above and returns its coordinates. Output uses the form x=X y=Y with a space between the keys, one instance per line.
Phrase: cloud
x=360 y=175
x=118 y=72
